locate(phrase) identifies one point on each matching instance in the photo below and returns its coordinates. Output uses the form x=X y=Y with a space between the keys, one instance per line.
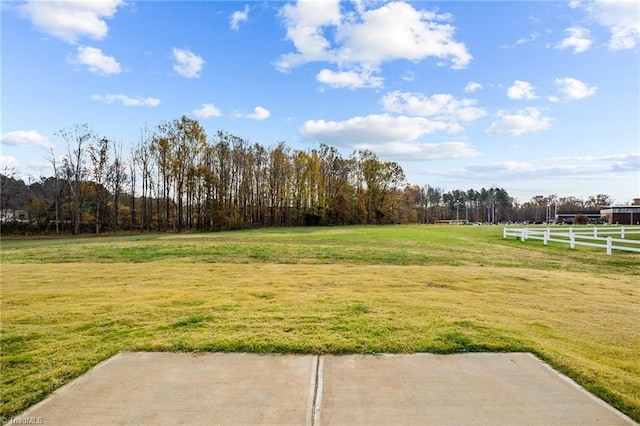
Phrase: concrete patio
x=142 y=388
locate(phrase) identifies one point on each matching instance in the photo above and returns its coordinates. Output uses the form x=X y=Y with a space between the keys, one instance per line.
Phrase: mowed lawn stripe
x=391 y=245
x=69 y=303
x=59 y=320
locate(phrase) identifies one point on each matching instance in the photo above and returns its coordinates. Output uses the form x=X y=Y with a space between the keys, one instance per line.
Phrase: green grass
x=69 y=303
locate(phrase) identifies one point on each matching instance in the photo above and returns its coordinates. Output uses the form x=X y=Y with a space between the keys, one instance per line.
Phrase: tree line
x=177 y=178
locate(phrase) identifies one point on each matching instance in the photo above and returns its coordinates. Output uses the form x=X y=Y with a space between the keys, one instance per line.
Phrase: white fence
x=601 y=237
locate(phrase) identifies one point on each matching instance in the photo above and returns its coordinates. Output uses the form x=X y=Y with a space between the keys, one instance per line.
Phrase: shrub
x=580 y=219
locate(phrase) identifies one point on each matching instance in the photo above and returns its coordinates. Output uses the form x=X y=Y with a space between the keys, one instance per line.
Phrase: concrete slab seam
x=312 y=392
x=583 y=390
x=317 y=406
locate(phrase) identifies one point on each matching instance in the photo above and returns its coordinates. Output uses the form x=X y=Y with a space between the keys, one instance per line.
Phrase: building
x=623 y=215
x=14 y=216
x=568 y=216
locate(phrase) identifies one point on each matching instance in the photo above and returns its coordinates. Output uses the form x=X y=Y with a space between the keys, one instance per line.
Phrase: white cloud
x=305 y=22
x=126 y=100
x=625 y=162
x=532 y=37
x=472 y=86
x=631 y=159
x=348 y=79
x=389 y=136
x=239 y=16
x=187 y=63
x=416 y=151
x=525 y=169
x=521 y=90
x=579 y=39
x=586 y=167
x=578 y=176
x=71 y=19
x=207 y=111
x=9 y=164
x=29 y=170
x=376 y=129
x=409 y=76
x=259 y=113
x=438 y=106
x=572 y=88
x=360 y=42
x=398 y=31
x=523 y=121
x=621 y=17
x=95 y=61
x=407 y=151
x=25 y=138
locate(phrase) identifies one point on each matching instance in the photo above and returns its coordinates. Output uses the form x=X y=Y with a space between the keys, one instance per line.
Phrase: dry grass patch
x=58 y=320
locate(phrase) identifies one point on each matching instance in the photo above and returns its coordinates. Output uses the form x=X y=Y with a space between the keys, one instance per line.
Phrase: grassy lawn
x=69 y=303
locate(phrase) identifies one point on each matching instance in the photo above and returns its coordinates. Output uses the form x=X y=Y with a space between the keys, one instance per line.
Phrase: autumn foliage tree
x=189 y=180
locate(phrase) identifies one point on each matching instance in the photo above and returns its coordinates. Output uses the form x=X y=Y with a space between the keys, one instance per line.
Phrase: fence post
x=546 y=237
x=504 y=233
x=595 y=231
x=622 y=232
x=522 y=234
x=572 y=241
x=609 y=246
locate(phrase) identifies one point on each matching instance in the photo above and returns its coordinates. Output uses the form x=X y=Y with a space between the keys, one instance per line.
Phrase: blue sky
x=536 y=97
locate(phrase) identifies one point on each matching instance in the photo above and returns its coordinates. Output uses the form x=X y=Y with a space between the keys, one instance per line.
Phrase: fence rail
x=600 y=237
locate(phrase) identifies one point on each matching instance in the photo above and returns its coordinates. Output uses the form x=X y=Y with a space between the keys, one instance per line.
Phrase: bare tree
x=56 y=176
x=143 y=158
x=99 y=154
x=598 y=201
x=161 y=150
x=116 y=179
x=279 y=184
x=78 y=138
